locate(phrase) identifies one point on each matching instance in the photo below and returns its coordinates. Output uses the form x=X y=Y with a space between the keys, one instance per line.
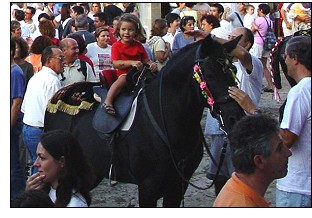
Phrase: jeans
x=17 y=173
x=31 y=136
x=291 y=199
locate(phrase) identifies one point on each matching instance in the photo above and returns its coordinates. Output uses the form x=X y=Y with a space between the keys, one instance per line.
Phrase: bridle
x=163 y=134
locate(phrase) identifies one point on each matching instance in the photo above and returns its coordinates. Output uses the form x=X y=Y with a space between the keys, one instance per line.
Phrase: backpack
x=83 y=68
x=270 y=39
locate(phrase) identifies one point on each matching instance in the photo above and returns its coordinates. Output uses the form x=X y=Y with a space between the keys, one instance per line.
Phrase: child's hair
x=249 y=6
x=139 y=30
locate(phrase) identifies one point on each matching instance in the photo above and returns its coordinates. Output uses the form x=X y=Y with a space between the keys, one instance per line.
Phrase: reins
x=216 y=114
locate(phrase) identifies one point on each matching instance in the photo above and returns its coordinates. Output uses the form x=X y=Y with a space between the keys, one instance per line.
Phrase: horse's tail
x=274 y=65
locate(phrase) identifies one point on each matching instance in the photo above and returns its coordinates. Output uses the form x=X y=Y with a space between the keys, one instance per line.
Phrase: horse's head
x=214 y=71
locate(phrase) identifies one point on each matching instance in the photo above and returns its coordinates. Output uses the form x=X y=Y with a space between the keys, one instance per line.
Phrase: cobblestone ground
x=125 y=195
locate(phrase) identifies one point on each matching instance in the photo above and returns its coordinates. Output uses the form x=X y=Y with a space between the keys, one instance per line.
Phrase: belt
x=37 y=127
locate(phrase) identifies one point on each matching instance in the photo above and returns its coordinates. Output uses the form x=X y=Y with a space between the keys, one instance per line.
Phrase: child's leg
x=113 y=92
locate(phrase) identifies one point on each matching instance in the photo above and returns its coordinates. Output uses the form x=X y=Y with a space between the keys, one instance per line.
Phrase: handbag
x=270 y=38
x=240 y=20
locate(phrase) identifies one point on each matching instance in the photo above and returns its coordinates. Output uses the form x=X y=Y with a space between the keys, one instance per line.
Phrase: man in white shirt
x=294 y=190
x=41 y=87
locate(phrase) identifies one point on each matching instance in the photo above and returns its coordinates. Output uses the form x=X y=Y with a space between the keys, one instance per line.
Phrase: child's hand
x=137 y=64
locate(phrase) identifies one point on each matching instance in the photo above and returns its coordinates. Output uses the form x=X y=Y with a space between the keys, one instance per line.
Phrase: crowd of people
x=56 y=44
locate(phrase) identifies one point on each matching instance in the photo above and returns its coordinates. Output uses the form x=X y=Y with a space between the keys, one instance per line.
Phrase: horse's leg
x=290 y=80
x=174 y=195
x=147 y=194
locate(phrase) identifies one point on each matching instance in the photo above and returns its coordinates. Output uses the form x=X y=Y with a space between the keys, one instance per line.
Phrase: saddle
x=105 y=123
x=73 y=98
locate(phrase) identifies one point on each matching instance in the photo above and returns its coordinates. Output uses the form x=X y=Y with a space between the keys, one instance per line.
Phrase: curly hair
x=40 y=43
x=24 y=47
x=251 y=136
x=46 y=28
x=77 y=173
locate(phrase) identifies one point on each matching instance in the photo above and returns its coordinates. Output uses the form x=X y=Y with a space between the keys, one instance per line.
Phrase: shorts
x=258 y=51
x=216 y=147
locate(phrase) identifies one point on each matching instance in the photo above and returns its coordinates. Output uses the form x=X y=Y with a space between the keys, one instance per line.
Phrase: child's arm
x=123 y=64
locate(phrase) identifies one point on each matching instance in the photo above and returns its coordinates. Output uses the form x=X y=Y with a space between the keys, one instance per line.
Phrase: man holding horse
x=249 y=77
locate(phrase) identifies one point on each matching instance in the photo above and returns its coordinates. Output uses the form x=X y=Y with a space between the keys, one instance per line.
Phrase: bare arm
x=15 y=110
x=240 y=53
x=162 y=56
x=242 y=99
x=123 y=64
x=288 y=137
x=283 y=15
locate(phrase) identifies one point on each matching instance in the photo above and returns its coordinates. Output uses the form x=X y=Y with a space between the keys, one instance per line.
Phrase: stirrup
x=110 y=181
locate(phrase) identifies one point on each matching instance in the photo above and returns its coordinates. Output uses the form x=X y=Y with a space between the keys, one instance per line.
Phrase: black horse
x=277 y=59
x=163 y=147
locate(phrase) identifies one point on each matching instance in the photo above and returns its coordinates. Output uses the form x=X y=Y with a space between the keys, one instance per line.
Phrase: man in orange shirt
x=259 y=156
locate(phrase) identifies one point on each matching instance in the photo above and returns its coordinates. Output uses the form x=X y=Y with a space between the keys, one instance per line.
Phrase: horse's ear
x=230 y=45
x=206 y=46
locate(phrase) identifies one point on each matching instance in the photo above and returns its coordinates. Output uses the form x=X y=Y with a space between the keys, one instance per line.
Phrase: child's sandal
x=109 y=109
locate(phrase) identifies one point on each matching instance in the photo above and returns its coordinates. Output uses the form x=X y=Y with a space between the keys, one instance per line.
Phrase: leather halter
x=163 y=134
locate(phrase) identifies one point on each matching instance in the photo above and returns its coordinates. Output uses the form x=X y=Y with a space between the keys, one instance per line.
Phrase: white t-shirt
x=41 y=87
x=77 y=200
x=223 y=31
x=297 y=119
x=248 y=20
x=251 y=83
x=286 y=31
x=101 y=57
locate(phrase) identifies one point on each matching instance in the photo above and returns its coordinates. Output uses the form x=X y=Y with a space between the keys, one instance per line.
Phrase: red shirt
x=134 y=51
x=112 y=37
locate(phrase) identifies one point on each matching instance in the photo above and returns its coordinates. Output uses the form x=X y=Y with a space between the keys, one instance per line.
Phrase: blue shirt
x=18 y=83
x=180 y=41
